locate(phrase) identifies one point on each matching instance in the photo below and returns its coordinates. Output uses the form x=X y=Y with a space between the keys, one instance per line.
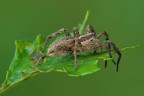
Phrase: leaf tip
x=87 y=14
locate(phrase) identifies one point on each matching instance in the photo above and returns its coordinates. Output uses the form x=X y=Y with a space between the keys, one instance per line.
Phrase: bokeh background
x=122 y=19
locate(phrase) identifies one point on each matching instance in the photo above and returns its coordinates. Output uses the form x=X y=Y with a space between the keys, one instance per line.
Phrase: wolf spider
x=73 y=45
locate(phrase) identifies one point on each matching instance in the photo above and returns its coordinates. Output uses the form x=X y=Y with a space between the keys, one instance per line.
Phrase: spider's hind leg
x=106 y=44
x=103 y=34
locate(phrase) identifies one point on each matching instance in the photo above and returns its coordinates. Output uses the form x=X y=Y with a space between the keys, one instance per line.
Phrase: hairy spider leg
x=46 y=42
x=38 y=62
x=55 y=34
x=76 y=33
x=75 y=56
x=109 y=51
x=110 y=55
x=49 y=37
x=89 y=29
x=118 y=52
x=102 y=34
x=77 y=46
x=109 y=46
x=106 y=38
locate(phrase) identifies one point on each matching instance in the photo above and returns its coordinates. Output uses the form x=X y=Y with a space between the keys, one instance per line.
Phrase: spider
x=73 y=45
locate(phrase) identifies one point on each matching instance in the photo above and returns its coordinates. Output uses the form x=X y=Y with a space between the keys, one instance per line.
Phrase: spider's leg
x=105 y=63
x=55 y=34
x=102 y=34
x=95 y=51
x=109 y=52
x=33 y=58
x=75 y=55
x=118 y=52
x=105 y=35
x=89 y=29
x=76 y=33
x=105 y=45
x=101 y=50
x=46 y=42
x=77 y=47
x=38 y=62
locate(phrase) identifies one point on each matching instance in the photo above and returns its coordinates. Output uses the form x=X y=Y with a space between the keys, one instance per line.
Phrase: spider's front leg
x=49 y=37
x=38 y=62
x=77 y=46
x=55 y=34
x=46 y=42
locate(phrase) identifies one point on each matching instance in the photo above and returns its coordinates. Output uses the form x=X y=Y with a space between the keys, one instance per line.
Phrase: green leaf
x=21 y=65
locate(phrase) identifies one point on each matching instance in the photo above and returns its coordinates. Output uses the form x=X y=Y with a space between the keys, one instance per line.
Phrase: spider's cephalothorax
x=73 y=45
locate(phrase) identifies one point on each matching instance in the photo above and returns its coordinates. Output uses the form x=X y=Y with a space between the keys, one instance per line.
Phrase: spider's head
x=89 y=29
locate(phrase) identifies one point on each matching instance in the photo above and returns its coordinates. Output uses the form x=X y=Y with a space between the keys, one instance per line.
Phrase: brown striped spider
x=73 y=45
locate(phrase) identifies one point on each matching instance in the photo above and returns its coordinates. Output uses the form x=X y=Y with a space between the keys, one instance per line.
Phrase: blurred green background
x=122 y=19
